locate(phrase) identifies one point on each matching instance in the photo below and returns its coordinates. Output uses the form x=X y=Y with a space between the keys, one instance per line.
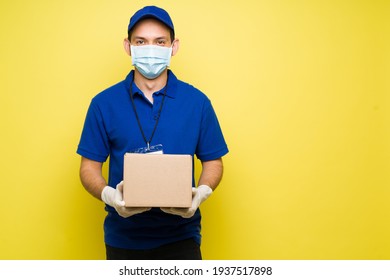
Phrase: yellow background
x=301 y=89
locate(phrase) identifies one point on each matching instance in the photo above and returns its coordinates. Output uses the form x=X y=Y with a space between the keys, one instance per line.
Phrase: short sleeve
x=211 y=144
x=94 y=142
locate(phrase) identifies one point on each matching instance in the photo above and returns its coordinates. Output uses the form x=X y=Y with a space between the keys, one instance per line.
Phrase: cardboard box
x=157 y=180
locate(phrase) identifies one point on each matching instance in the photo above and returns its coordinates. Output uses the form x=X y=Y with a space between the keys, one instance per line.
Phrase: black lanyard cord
x=137 y=117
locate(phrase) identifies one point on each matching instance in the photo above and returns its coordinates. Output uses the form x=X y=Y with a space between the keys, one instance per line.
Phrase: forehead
x=150 y=27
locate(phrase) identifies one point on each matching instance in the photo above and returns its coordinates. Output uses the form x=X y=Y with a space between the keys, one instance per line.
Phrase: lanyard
x=137 y=117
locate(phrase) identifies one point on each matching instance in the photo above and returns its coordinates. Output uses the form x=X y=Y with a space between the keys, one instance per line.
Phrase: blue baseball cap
x=151 y=12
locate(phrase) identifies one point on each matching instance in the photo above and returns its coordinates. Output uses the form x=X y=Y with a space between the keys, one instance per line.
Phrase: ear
x=126 y=45
x=175 y=46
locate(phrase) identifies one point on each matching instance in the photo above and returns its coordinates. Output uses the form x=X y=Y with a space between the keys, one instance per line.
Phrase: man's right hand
x=114 y=198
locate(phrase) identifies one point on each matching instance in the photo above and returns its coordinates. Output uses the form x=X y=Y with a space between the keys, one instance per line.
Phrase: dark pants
x=182 y=250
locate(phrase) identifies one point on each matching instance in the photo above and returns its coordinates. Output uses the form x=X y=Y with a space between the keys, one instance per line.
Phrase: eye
x=139 y=42
x=161 y=42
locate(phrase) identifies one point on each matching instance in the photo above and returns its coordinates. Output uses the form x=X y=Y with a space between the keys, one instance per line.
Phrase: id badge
x=156 y=149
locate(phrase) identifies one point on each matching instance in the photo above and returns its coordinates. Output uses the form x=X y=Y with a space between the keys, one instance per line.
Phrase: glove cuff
x=206 y=191
x=108 y=195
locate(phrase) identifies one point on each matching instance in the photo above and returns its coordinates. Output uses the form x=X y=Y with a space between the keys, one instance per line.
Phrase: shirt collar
x=171 y=86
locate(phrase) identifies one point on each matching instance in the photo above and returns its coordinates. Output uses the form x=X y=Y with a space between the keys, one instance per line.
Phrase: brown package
x=157 y=180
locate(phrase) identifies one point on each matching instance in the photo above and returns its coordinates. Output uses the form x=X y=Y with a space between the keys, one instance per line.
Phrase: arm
x=91 y=177
x=93 y=181
x=212 y=172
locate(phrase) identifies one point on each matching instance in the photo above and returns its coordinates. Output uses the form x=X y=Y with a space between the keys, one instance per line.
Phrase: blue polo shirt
x=187 y=125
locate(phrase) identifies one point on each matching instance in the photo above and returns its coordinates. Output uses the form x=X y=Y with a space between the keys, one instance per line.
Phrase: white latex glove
x=114 y=198
x=199 y=195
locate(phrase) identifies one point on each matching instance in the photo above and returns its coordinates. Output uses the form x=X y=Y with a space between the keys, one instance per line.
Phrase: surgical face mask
x=150 y=60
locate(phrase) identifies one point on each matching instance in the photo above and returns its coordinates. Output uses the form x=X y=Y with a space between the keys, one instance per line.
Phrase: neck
x=148 y=87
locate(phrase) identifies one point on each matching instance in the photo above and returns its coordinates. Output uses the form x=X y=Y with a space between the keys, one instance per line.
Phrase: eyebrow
x=158 y=38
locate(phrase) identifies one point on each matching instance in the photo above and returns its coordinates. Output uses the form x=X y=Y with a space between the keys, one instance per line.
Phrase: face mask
x=150 y=60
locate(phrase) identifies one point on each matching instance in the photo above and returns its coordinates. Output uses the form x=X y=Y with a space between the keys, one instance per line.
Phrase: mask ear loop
x=171 y=51
x=132 y=56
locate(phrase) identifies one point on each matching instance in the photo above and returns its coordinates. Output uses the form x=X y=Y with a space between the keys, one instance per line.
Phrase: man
x=151 y=108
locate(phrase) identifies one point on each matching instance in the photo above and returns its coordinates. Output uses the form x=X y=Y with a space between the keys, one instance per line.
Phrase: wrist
x=205 y=191
x=206 y=188
x=107 y=195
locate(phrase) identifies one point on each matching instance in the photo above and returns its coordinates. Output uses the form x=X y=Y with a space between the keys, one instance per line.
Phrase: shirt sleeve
x=211 y=144
x=94 y=142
